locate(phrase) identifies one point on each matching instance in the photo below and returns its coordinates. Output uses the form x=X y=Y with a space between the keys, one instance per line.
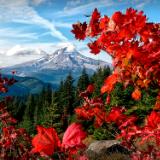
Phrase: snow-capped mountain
x=54 y=67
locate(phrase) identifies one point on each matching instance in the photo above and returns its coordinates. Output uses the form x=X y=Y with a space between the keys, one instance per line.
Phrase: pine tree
x=52 y=115
x=98 y=78
x=27 y=122
x=36 y=115
x=83 y=81
x=20 y=110
x=12 y=106
x=60 y=95
x=48 y=93
x=69 y=94
x=30 y=106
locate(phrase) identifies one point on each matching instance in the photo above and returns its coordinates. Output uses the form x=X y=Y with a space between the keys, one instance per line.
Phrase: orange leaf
x=109 y=83
x=136 y=95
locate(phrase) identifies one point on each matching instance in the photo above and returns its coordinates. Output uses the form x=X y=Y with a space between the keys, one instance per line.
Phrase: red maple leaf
x=95 y=48
x=73 y=137
x=117 y=17
x=46 y=141
x=153 y=120
x=104 y=23
x=93 y=27
x=79 y=30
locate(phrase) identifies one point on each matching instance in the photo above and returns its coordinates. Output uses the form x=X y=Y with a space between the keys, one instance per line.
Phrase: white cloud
x=12 y=33
x=141 y=4
x=38 y=2
x=82 y=7
x=63 y=24
x=67 y=12
x=20 y=11
x=73 y=3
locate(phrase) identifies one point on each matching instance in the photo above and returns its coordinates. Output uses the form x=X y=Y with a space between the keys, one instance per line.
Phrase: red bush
x=133 y=44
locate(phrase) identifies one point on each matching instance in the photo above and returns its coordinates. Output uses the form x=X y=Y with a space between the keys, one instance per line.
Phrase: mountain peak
x=53 y=67
x=66 y=50
x=70 y=48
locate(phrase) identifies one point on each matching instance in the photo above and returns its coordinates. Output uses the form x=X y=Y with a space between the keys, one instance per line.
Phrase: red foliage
x=14 y=142
x=94 y=47
x=109 y=83
x=92 y=109
x=93 y=27
x=73 y=137
x=133 y=44
x=103 y=23
x=46 y=142
x=136 y=95
x=153 y=120
x=90 y=88
x=79 y=30
x=115 y=115
x=6 y=82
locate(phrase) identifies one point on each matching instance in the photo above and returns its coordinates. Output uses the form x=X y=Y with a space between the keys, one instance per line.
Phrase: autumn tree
x=133 y=44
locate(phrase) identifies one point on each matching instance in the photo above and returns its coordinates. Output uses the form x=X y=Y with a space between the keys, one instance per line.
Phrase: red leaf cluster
x=133 y=136
x=133 y=44
x=92 y=109
x=93 y=27
x=109 y=83
x=47 y=142
x=73 y=138
x=14 y=142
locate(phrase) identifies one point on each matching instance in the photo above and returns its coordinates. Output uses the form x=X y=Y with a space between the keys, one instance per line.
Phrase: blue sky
x=46 y=24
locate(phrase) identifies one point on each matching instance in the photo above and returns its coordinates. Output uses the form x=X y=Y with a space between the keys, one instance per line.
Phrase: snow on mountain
x=63 y=59
x=54 y=67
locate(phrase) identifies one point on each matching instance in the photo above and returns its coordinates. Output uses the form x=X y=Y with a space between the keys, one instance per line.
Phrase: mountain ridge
x=52 y=68
x=62 y=58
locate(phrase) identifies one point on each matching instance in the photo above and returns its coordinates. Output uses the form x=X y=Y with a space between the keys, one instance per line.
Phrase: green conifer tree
x=69 y=95
x=83 y=81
